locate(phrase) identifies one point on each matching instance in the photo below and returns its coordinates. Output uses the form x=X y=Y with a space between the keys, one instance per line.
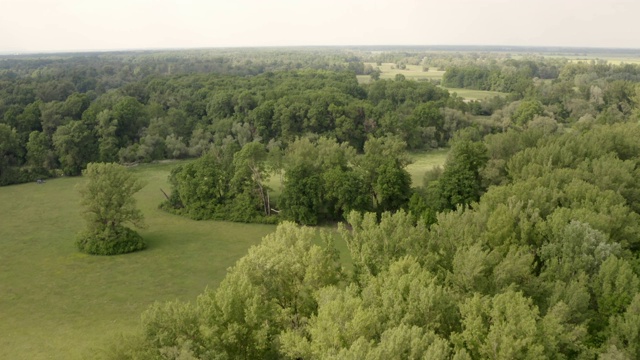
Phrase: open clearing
x=423 y=162
x=56 y=303
x=414 y=72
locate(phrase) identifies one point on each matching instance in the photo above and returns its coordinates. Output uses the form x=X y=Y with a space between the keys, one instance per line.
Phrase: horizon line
x=493 y=47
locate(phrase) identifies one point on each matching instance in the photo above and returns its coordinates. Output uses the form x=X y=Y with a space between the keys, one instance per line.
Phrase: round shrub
x=110 y=241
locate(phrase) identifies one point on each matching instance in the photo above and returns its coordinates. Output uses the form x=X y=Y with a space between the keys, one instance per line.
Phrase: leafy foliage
x=223 y=184
x=110 y=241
x=325 y=180
x=253 y=304
x=525 y=245
x=460 y=183
x=107 y=197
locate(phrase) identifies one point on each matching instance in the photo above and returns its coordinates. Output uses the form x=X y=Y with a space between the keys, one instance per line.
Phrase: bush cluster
x=110 y=241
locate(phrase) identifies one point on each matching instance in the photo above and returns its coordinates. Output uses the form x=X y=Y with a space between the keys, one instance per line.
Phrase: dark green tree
x=10 y=155
x=301 y=198
x=39 y=152
x=200 y=189
x=251 y=195
x=75 y=147
x=383 y=171
x=461 y=183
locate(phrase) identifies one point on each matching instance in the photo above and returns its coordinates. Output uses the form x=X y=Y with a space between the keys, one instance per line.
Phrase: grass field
x=423 y=162
x=56 y=303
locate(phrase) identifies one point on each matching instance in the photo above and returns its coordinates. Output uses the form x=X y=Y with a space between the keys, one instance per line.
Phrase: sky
x=78 y=25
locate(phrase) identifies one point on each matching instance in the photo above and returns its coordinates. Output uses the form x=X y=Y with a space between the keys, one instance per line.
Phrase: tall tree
x=461 y=183
x=248 y=183
x=107 y=197
x=39 y=153
x=9 y=154
x=383 y=169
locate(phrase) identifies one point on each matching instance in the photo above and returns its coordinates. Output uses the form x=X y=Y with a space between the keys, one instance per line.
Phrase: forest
x=525 y=244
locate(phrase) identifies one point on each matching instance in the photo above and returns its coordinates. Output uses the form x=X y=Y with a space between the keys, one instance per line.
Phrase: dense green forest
x=525 y=245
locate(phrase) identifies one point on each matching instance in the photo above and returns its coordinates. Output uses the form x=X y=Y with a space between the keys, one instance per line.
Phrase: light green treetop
x=107 y=196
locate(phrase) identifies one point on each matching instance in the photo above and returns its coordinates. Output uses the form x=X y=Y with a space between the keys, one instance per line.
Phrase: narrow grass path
x=470 y=94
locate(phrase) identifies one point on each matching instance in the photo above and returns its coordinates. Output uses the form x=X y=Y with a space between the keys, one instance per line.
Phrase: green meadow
x=56 y=303
x=423 y=162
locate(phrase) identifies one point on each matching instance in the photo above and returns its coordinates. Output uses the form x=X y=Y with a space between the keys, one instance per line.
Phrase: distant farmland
x=415 y=72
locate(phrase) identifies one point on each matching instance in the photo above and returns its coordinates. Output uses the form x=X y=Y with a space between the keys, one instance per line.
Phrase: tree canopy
x=107 y=198
x=524 y=245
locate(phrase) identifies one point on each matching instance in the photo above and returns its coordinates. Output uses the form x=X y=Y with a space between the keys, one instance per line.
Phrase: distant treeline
x=511 y=76
x=517 y=76
x=60 y=114
x=261 y=107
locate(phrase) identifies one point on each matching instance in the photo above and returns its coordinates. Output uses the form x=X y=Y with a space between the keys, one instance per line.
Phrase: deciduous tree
x=107 y=197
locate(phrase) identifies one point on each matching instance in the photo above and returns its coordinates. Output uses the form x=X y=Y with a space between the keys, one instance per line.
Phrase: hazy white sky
x=66 y=25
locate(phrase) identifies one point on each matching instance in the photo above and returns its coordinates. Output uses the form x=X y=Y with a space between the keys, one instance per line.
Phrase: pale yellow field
x=412 y=72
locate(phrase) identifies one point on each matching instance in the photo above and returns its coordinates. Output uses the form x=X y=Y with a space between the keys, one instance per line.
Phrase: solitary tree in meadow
x=107 y=197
